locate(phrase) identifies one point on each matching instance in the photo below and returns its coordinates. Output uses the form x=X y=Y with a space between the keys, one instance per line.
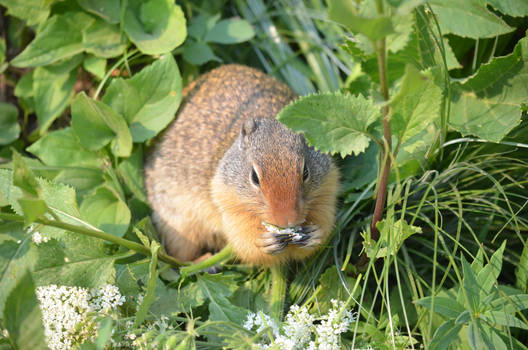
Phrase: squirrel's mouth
x=296 y=235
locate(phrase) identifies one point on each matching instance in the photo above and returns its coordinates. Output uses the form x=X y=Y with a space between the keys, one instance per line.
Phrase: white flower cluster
x=36 y=236
x=298 y=328
x=67 y=312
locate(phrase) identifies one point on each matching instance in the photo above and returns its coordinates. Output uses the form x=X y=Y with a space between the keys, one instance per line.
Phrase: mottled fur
x=198 y=173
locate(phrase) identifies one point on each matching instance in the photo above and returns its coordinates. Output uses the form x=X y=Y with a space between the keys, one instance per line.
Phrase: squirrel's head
x=274 y=171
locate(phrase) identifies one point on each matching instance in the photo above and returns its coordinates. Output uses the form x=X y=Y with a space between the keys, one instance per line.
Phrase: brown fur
x=195 y=210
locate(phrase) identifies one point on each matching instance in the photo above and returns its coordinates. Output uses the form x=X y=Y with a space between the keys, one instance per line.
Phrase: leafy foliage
x=90 y=83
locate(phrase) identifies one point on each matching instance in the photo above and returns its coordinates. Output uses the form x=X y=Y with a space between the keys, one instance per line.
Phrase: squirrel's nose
x=287 y=218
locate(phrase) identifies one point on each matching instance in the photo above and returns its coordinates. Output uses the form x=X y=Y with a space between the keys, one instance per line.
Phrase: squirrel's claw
x=312 y=236
x=273 y=243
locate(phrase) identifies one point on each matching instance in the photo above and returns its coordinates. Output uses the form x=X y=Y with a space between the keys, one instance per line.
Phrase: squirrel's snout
x=287 y=215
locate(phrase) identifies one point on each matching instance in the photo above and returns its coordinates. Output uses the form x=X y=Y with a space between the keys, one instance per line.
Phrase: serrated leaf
x=445 y=335
x=52 y=90
x=149 y=100
x=71 y=154
x=154 y=26
x=109 y=10
x=96 y=124
x=107 y=211
x=416 y=107
x=403 y=27
x=217 y=288
x=345 y=13
x=9 y=127
x=472 y=20
x=392 y=235
x=198 y=53
x=332 y=122
x=487 y=105
x=22 y=317
x=230 y=31
x=31 y=11
x=33 y=208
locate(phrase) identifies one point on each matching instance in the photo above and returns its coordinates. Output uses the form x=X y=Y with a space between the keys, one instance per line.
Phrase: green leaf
x=68 y=34
x=230 y=31
x=512 y=8
x=416 y=114
x=198 y=53
x=22 y=317
x=150 y=295
x=103 y=39
x=109 y=10
x=332 y=122
x=470 y=287
x=24 y=178
x=149 y=99
x=3 y=65
x=17 y=254
x=60 y=37
x=71 y=154
x=403 y=27
x=9 y=127
x=511 y=303
x=84 y=180
x=445 y=306
x=488 y=276
x=445 y=335
x=96 y=124
x=217 y=288
x=501 y=318
x=201 y=25
x=33 y=208
x=340 y=290
x=131 y=171
x=95 y=65
x=52 y=90
x=31 y=11
x=488 y=103
x=154 y=26
x=521 y=272
x=346 y=13
x=472 y=20
x=474 y=336
x=107 y=211
x=392 y=236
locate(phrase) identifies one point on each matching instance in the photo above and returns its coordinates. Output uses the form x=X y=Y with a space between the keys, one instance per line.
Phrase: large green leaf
x=488 y=103
x=22 y=317
x=52 y=90
x=107 y=211
x=346 y=13
x=445 y=335
x=230 y=31
x=149 y=99
x=332 y=122
x=9 y=127
x=72 y=153
x=154 y=26
x=217 y=289
x=471 y=20
x=31 y=11
x=445 y=306
x=415 y=118
x=68 y=34
x=96 y=124
x=198 y=53
x=471 y=289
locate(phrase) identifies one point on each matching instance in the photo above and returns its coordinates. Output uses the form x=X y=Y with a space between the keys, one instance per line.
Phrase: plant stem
x=223 y=255
x=138 y=248
x=278 y=291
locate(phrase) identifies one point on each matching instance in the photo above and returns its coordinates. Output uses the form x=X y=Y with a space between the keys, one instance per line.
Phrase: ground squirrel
x=226 y=166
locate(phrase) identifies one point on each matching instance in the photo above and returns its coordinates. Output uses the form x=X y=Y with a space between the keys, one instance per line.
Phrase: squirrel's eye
x=306 y=173
x=254 y=178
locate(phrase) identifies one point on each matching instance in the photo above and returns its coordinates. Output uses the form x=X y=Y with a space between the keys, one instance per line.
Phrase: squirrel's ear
x=248 y=127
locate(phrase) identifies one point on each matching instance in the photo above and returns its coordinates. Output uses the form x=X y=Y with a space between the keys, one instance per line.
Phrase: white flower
x=67 y=312
x=37 y=238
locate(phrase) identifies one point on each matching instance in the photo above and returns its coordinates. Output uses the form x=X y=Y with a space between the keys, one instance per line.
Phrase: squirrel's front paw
x=273 y=243
x=312 y=236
